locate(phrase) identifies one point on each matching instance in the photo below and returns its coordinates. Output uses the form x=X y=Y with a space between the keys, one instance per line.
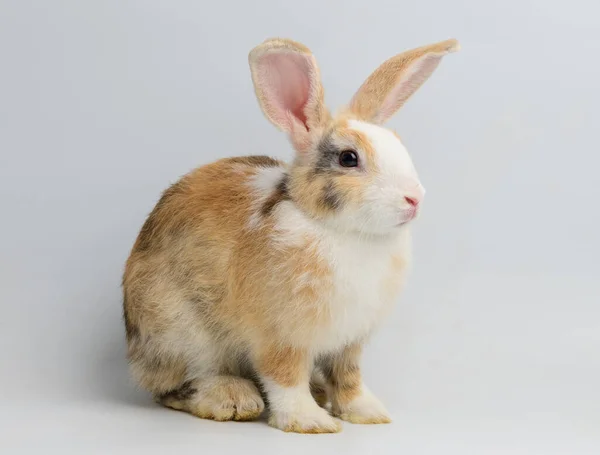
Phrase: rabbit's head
x=349 y=171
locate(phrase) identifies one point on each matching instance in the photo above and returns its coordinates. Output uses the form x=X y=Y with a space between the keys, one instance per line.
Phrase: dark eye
x=348 y=158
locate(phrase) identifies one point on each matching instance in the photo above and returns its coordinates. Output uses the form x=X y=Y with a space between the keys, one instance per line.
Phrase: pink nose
x=412 y=200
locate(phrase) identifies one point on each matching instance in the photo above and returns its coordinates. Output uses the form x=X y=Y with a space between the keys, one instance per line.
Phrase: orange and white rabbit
x=254 y=280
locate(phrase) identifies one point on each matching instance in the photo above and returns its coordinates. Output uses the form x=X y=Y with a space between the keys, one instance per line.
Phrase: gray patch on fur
x=182 y=393
x=328 y=157
x=281 y=193
x=331 y=197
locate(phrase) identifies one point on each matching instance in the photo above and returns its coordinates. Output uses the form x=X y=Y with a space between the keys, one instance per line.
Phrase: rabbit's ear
x=288 y=85
x=390 y=85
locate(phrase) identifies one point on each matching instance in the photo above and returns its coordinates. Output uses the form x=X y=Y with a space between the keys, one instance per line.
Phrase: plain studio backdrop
x=494 y=347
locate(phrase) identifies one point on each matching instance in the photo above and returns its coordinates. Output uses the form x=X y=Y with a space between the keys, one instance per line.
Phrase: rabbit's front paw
x=312 y=420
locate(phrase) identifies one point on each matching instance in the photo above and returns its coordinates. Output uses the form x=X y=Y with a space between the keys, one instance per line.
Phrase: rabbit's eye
x=348 y=158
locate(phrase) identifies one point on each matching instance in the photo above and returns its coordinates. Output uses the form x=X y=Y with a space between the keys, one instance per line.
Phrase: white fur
x=266 y=179
x=392 y=157
x=357 y=302
x=263 y=184
x=384 y=207
x=295 y=407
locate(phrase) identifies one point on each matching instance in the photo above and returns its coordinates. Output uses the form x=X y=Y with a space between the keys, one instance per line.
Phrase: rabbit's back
x=212 y=202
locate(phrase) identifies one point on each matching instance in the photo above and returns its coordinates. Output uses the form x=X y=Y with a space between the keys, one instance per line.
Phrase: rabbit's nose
x=412 y=200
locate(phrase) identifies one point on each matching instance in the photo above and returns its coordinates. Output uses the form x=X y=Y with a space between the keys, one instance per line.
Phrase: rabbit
x=256 y=282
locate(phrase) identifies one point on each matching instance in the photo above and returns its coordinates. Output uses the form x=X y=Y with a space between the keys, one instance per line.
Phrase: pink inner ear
x=286 y=86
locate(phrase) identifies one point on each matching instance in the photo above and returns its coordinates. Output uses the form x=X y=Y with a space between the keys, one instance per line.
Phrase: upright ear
x=288 y=86
x=390 y=85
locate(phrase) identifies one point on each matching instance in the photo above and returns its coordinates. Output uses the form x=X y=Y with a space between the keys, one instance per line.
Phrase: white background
x=494 y=348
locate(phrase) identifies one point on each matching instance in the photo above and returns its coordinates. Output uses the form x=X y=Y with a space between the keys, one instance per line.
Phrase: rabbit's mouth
x=408 y=216
x=403 y=223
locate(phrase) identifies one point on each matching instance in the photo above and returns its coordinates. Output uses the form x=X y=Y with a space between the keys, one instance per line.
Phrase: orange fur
x=284 y=364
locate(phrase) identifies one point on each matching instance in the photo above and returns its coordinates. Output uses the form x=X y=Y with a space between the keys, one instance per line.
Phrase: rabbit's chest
x=366 y=281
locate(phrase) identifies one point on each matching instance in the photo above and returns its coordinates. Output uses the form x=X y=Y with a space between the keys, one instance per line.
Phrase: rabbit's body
x=332 y=288
x=251 y=272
